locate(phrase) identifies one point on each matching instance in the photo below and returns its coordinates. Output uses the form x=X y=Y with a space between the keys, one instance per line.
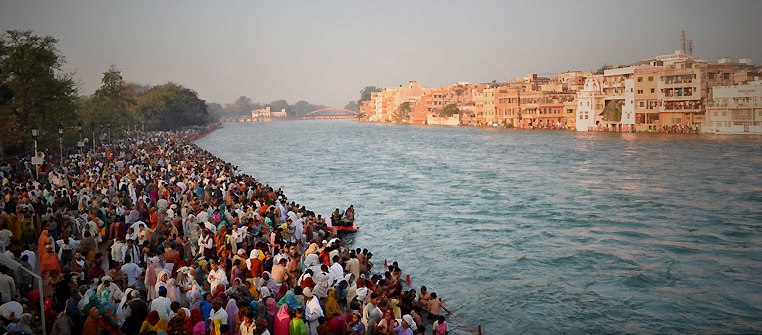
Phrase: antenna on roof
x=690 y=47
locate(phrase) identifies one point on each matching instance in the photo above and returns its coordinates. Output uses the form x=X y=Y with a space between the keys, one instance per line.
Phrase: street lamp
x=35 y=133
x=60 y=140
x=80 y=144
x=92 y=125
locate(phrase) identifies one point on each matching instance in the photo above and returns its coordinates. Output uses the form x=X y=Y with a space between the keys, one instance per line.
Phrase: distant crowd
x=153 y=235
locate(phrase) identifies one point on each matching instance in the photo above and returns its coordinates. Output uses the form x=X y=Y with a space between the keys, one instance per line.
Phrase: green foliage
x=449 y=110
x=113 y=100
x=353 y=106
x=242 y=106
x=171 y=106
x=34 y=90
x=402 y=114
x=366 y=92
x=215 y=111
x=613 y=111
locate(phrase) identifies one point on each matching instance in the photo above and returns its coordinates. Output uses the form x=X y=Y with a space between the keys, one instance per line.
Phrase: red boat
x=345 y=228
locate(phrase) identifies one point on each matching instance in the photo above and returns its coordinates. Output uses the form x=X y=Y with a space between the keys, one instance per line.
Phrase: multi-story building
x=683 y=89
x=617 y=87
x=547 y=109
x=735 y=109
x=507 y=105
x=646 y=100
x=261 y=113
x=590 y=104
x=484 y=106
x=366 y=109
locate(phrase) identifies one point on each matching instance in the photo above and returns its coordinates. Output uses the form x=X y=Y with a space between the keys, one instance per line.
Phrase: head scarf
x=290 y=300
x=153 y=318
x=282 y=320
x=195 y=317
x=231 y=309
x=409 y=320
x=332 y=304
x=91 y=324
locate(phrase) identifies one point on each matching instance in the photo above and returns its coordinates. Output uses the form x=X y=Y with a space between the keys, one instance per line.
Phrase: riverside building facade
x=666 y=93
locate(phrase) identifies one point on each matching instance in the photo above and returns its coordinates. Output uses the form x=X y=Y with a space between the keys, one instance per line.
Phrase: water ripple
x=538 y=232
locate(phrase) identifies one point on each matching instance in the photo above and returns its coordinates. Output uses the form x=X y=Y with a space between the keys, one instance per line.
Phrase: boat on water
x=345 y=228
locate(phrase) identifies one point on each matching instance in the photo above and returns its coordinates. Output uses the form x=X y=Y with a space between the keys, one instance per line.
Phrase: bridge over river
x=318 y=114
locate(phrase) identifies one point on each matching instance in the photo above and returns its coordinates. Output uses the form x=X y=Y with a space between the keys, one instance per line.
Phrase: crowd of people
x=153 y=235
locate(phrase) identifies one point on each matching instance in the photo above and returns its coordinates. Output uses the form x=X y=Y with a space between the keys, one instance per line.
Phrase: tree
x=613 y=111
x=113 y=98
x=449 y=110
x=403 y=112
x=34 y=88
x=366 y=92
x=603 y=68
x=277 y=105
x=242 y=106
x=352 y=105
x=215 y=111
x=171 y=106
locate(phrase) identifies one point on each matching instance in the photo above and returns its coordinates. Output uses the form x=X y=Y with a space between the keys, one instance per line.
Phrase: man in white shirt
x=336 y=270
x=116 y=250
x=162 y=304
x=216 y=276
x=218 y=313
x=353 y=264
x=132 y=271
x=312 y=311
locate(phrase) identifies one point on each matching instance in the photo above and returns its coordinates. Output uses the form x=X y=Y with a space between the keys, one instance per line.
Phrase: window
x=640 y=79
x=711 y=75
x=642 y=104
x=726 y=76
x=650 y=78
x=653 y=90
x=640 y=91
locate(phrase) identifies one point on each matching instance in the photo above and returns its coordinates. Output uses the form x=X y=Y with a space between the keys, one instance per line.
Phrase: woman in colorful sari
x=196 y=325
x=231 y=309
x=152 y=323
x=91 y=324
x=109 y=323
x=332 y=305
x=282 y=321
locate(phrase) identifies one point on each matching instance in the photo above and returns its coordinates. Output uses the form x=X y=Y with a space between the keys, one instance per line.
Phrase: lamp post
x=103 y=133
x=109 y=133
x=92 y=125
x=80 y=144
x=60 y=140
x=35 y=133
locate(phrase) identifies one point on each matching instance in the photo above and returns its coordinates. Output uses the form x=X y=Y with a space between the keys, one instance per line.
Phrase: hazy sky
x=326 y=51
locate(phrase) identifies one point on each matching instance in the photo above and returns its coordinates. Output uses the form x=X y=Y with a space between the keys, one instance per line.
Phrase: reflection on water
x=538 y=232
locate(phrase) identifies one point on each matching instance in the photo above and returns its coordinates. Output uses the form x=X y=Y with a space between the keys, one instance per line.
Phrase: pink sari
x=282 y=321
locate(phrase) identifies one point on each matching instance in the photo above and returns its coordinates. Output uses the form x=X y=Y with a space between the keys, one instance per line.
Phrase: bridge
x=331 y=113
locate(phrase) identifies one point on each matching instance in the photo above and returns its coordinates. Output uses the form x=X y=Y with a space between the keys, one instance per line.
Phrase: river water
x=538 y=232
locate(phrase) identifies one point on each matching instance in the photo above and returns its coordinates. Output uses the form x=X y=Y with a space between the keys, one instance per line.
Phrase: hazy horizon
x=326 y=52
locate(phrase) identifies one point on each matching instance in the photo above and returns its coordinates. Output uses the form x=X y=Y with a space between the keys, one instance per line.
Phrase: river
x=537 y=232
